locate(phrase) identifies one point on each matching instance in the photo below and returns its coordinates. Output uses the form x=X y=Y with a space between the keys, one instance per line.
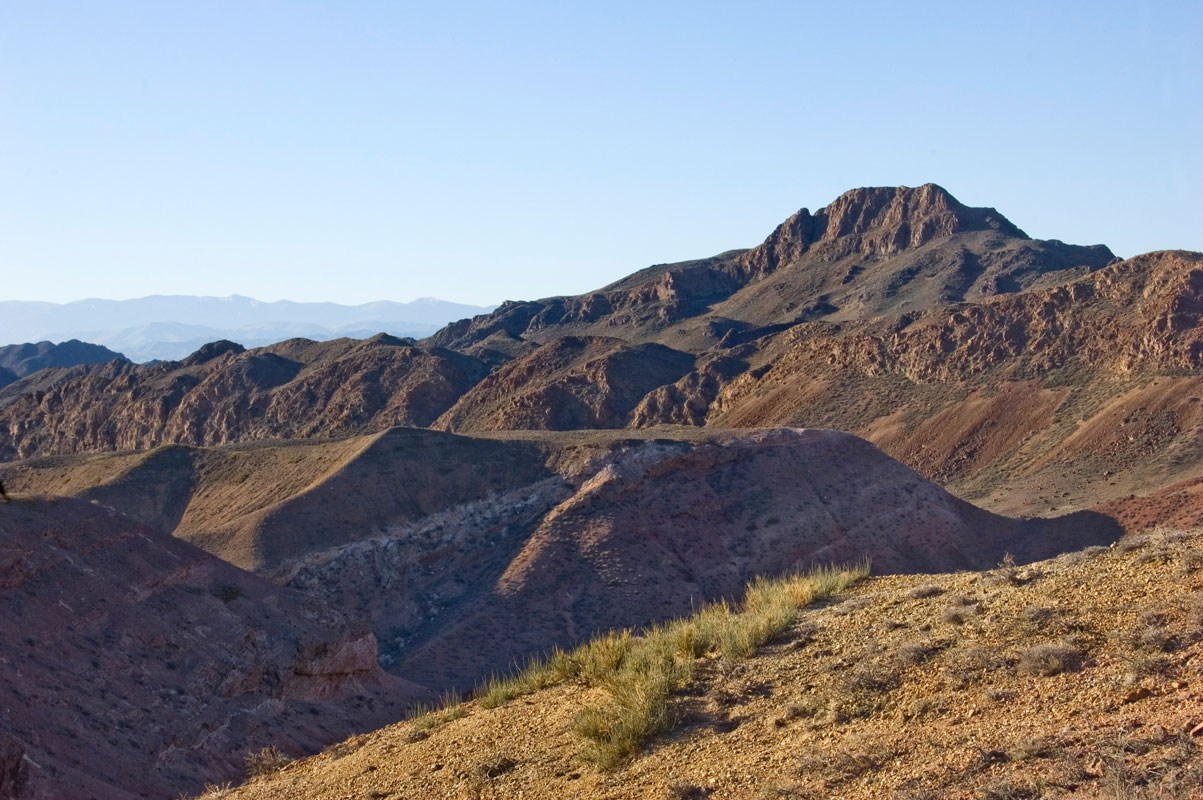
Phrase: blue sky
x=355 y=151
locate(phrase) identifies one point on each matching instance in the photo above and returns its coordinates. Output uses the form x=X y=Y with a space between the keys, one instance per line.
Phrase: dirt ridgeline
x=1076 y=677
x=136 y=665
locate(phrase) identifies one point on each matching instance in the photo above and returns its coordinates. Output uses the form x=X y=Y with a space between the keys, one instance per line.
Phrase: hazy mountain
x=172 y=326
x=19 y=360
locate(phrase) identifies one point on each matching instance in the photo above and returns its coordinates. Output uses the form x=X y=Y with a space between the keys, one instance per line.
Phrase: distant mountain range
x=19 y=360
x=169 y=327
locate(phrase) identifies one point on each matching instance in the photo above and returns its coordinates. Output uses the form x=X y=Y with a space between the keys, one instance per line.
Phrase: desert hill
x=466 y=554
x=223 y=393
x=20 y=360
x=136 y=665
x=1076 y=677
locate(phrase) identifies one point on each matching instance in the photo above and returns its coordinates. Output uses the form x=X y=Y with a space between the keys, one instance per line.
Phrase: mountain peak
x=876 y=220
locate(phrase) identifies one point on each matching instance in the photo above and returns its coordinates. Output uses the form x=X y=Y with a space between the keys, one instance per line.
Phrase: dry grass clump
x=426 y=717
x=956 y=615
x=640 y=673
x=925 y=591
x=1050 y=659
x=857 y=757
x=917 y=651
x=266 y=761
x=654 y=665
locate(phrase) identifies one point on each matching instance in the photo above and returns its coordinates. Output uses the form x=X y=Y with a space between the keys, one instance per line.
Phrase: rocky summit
x=875 y=508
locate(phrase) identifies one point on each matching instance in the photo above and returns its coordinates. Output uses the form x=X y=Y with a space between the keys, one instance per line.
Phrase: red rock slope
x=136 y=665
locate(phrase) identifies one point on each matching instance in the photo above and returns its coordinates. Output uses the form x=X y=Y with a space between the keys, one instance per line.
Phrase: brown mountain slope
x=872 y=251
x=1089 y=387
x=1077 y=677
x=638 y=531
x=221 y=394
x=570 y=383
x=136 y=665
x=259 y=505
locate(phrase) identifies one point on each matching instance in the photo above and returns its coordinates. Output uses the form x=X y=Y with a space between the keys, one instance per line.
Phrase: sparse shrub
x=426 y=717
x=955 y=616
x=923 y=592
x=1031 y=747
x=684 y=791
x=858 y=756
x=808 y=707
x=912 y=653
x=998 y=696
x=872 y=677
x=1050 y=659
x=638 y=709
x=1144 y=666
x=266 y=761
x=962 y=600
x=1154 y=638
x=1039 y=616
x=922 y=707
x=1128 y=544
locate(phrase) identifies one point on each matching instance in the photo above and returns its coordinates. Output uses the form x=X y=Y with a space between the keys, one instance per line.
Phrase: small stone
x=1137 y=694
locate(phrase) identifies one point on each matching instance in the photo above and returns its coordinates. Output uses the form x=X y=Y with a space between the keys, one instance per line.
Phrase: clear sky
x=354 y=151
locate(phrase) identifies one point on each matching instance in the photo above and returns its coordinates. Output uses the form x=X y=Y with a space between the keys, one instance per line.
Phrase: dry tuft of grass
x=1050 y=659
x=640 y=673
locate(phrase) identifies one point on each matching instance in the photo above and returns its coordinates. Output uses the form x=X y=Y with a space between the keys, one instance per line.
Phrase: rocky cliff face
x=136 y=665
x=221 y=394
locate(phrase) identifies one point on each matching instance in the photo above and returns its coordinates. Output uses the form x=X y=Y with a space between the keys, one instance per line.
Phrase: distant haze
x=172 y=326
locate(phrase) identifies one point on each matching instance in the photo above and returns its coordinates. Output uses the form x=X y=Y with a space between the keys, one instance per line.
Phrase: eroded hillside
x=137 y=665
x=1075 y=677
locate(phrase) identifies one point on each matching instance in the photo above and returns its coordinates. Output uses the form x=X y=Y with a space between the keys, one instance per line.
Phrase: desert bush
x=925 y=591
x=1050 y=659
x=1031 y=747
x=956 y=616
x=915 y=652
x=857 y=757
x=873 y=676
x=266 y=761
